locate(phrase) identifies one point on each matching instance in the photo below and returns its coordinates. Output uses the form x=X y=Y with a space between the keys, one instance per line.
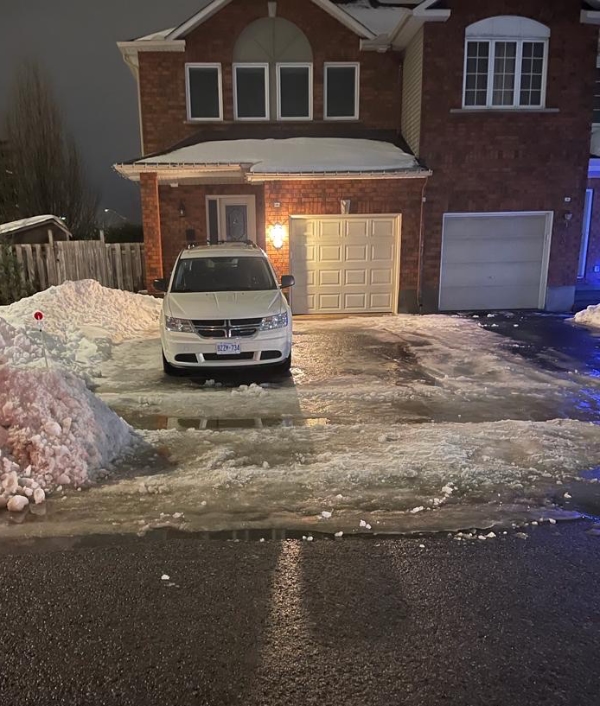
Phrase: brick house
x=420 y=156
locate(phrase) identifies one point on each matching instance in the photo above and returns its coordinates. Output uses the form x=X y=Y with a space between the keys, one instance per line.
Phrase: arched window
x=272 y=71
x=506 y=63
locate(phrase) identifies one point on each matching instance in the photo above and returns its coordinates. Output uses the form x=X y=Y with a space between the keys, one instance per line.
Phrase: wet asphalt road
x=505 y=622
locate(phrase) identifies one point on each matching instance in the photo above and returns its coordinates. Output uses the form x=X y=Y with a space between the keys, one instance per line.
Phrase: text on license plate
x=228 y=348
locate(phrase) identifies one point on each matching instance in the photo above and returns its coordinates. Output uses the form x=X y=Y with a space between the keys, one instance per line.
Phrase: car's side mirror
x=287 y=281
x=160 y=284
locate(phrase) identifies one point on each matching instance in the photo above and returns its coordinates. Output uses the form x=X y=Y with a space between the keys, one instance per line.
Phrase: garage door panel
x=489 y=251
x=329 y=302
x=383 y=228
x=493 y=261
x=356 y=253
x=381 y=301
x=330 y=278
x=461 y=298
x=382 y=252
x=344 y=263
x=510 y=274
x=382 y=276
x=356 y=301
x=355 y=277
x=330 y=253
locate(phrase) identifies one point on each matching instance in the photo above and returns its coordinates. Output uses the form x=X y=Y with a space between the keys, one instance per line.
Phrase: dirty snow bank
x=82 y=321
x=53 y=432
x=589 y=316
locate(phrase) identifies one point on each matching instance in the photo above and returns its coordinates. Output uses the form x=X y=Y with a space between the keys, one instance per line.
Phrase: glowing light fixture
x=277 y=236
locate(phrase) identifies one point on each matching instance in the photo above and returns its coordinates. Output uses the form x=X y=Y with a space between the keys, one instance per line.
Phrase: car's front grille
x=226 y=328
x=210 y=357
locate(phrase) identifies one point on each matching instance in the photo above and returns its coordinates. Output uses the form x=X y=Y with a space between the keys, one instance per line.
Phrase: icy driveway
x=404 y=422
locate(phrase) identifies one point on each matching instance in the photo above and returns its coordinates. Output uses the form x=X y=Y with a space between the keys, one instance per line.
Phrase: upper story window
x=341 y=91
x=204 y=93
x=294 y=91
x=506 y=62
x=285 y=56
x=251 y=91
x=596 y=118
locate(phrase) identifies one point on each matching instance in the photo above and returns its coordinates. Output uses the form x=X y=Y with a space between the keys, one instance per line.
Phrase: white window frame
x=585 y=235
x=196 y=65
x=345 y=65
x=265 y=68
x=516 y=105
x=295 y=64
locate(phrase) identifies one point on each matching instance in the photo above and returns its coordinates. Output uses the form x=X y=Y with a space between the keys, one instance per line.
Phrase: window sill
x=270 y=122
x=503 y=111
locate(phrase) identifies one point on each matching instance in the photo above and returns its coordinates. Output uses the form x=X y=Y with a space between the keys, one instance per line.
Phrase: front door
x=231 y=218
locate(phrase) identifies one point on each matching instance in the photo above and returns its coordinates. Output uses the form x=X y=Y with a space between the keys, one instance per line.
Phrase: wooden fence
x=120 y=265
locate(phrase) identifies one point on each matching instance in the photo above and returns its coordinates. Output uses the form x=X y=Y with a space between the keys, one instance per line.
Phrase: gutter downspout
x=421 y=261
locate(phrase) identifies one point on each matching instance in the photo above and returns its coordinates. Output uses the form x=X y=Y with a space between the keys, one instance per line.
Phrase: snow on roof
x=380 y=20
x=595 y=143
x=298 y=155
x=25 y=223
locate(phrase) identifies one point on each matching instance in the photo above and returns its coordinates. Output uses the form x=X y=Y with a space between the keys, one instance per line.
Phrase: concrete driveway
x=397 y=424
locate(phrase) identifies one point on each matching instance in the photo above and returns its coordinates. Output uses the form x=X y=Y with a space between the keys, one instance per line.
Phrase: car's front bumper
x=188 y=350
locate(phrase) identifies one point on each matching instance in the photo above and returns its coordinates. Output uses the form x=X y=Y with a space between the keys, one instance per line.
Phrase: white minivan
x=223 y=308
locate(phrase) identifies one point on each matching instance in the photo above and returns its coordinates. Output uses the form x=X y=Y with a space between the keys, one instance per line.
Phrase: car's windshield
x=223 y=274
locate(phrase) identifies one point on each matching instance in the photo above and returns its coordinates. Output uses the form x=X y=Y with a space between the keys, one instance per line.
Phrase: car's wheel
x=286 y=366
x=168 y=368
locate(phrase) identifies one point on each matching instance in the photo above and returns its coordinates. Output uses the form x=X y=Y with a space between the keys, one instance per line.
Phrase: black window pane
x=341 y=91
x=204 y=92
x=294 y=92
x=250 y=87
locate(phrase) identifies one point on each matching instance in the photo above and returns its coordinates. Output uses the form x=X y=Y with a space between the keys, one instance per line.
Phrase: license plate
x=228 y=348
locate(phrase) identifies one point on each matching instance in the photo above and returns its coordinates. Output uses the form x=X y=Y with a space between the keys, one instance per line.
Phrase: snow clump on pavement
x=589 y=316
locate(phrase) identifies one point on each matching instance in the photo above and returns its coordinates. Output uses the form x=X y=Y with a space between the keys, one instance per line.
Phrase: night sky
x=75 y=41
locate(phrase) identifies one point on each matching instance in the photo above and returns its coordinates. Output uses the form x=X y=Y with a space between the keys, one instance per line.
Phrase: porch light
x=277 y=236
x=182 y=209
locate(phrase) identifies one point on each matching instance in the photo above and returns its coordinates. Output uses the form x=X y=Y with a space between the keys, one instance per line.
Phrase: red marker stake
x=39 y=317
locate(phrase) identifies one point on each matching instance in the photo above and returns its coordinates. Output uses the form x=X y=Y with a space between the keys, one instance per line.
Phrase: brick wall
x=162 y=75
x=519 y=161
x=173 y=226
x=323 y=197
x=593 y=253
x=152 y=232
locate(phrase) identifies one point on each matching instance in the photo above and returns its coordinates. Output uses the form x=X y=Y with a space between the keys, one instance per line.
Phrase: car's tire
x=168 y=369
x=286 y=366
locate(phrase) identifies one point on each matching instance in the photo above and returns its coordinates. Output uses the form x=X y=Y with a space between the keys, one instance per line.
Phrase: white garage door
x=344 y=263
x=495 y=261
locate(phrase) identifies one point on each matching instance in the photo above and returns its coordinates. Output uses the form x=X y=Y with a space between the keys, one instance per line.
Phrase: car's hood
x=224 y=305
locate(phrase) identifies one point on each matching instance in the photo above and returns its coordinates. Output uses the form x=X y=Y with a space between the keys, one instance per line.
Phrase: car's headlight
x=271 y=322
x=179 y=325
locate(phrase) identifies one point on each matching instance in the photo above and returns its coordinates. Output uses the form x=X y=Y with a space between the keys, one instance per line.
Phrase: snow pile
x=589 y=316
x=82 y=321
x=53 y=432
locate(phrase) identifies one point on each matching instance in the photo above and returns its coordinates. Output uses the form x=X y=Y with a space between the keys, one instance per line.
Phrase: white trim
x=342 y=64
x=248 y=200
x=294 y=64
x=516 y=104
x=487 y=214
x=326 y=5
x=589 y=17
x=197 y=19
x=507 y=27
x=265 y=68
x=188 y=102
x=259 y=178
x=585 y=232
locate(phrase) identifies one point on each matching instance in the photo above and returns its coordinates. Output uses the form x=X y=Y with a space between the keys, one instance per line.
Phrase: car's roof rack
x=248 y=243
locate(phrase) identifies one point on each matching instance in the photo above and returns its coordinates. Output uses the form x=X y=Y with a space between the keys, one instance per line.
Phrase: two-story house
x=416 y=156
